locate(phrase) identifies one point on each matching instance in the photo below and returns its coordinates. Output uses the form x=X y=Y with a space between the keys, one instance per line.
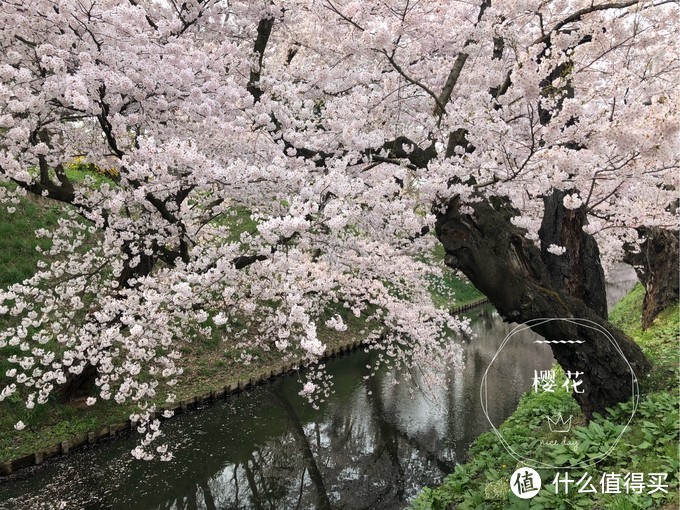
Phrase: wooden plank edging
x=469 y=306
x=110 y=431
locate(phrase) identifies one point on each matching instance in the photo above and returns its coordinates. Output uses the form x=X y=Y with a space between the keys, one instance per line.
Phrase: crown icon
x=559 y=424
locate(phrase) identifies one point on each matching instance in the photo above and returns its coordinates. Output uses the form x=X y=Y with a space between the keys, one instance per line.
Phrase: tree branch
x=457 y=68
x=264 y=30
x=412 y=81
x=346 y=18
x=581 y=12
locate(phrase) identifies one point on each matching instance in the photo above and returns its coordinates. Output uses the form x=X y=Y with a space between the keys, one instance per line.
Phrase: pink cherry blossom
x=273 y=161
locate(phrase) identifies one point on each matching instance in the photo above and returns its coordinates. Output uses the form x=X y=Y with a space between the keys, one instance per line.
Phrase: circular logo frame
x=537 y=322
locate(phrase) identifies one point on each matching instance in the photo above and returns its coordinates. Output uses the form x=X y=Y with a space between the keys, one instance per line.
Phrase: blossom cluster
x=279 y=165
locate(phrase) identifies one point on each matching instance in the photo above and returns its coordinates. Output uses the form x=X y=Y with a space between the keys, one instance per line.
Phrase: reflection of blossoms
x=308 y=388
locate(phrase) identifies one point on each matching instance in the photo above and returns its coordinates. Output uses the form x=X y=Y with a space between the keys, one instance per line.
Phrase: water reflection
x=373 y=445
x=620 y=280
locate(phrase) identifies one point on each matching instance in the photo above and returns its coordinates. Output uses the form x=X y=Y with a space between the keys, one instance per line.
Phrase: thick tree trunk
x=79 y=385
x=508 y=268
x=579 y=271
x=656 y=264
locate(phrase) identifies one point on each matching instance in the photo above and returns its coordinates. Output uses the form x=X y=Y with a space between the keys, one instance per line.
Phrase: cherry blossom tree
x=531 y=137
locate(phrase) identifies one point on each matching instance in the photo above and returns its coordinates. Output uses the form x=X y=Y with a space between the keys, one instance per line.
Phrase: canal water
x=372 y=445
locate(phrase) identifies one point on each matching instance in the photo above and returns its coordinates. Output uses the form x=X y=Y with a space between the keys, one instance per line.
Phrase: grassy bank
x=208 y=365
x=649 y=444
x=18 y=255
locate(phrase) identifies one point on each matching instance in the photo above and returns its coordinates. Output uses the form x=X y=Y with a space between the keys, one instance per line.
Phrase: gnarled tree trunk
x=508 y=268
x=656 y=264
x=579 y=271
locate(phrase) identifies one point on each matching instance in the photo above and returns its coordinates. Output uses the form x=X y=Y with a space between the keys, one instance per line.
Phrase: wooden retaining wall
x=469 y=306
x=112 y=430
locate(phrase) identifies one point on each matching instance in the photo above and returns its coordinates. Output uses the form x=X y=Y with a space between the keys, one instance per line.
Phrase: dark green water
x=373 y=445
